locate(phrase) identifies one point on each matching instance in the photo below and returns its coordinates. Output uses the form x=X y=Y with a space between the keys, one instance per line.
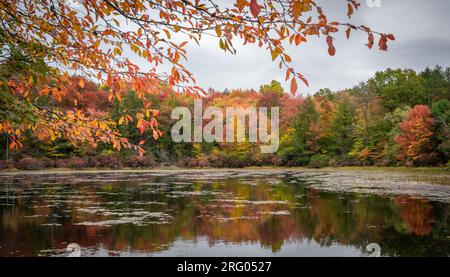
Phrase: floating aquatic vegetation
x=381 y=183
x=138 y=219
x=195 y=193
x=34 y=216
x=256 y=202
x=237 y=218
x=275 y=213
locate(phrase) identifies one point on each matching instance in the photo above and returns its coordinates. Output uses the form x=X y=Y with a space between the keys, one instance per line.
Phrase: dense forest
x=399 y=117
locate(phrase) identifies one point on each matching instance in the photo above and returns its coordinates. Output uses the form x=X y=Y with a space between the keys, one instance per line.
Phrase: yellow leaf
x=222 y=45
x=218 y=31
x=274 y=54
x=52 y=135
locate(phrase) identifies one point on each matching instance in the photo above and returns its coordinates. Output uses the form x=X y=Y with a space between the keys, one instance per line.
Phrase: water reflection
x=208 y=214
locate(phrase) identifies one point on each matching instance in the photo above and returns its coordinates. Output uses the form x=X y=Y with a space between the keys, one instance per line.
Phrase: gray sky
x=422 y=39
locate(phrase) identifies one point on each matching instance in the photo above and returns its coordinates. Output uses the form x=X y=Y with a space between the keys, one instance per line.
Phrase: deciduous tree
x=415 y=138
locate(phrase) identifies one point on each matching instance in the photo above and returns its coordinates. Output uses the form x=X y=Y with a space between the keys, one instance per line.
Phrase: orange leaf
x=288 y=74
x=183 y=44
x=297 y=9
x=176 y=57
x=293 y=86
x=240 y=4
x=12 y=145
x=298 y=39
x=350 y=10
x=81 y=83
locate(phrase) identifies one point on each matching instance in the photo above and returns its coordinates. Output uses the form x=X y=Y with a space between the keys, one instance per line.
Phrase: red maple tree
x=415 y=138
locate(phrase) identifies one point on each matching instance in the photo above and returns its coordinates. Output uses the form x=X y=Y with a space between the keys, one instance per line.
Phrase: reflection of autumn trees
x=234 y=211
x=418 y=214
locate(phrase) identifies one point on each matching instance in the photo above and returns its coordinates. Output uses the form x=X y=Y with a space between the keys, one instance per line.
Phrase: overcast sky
x=422 y=39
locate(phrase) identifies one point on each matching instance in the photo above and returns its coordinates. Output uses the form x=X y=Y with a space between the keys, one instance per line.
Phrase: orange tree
x=52 y=39
x=415 y=140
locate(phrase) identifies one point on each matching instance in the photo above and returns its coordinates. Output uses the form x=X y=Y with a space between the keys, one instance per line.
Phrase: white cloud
x=419 y=27
x=421 y=40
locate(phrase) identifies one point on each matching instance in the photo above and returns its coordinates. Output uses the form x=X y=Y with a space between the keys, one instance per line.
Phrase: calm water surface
x=225 y=213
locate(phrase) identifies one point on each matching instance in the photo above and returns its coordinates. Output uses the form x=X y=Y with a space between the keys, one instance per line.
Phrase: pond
x=225 y=213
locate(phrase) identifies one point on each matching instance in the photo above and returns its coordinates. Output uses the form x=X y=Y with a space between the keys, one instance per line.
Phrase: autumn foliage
x=415 y=138
x=92 y=84
x=352 y=127
x=96 y=39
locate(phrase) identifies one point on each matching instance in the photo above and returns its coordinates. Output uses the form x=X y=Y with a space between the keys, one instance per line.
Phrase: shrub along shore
x=145 y=163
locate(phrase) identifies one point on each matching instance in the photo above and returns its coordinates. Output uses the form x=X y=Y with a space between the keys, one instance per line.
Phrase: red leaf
x=390 y=36
x=255 y=9
x=304 y=80
x=293 y=86
x=382 y=44
x=371 y=39
x=142 y=129
x=155 y=134
x=348 y=32
x=331 y=48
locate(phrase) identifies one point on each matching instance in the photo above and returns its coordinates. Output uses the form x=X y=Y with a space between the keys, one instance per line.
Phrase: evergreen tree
x=343 y=128
x=299 y=151
x=441 y=114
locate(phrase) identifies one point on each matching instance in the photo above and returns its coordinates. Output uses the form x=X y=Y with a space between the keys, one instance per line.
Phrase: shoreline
x=421 y=170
